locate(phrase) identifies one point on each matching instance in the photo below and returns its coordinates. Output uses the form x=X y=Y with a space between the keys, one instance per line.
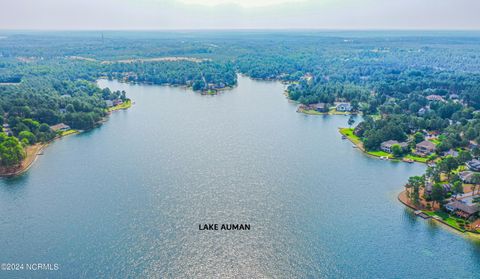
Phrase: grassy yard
x=348 y=132
x=311 y=112
x=380 y=154
x=416 y=158
x=69 y=132
x=124 y=105
x=450 y=220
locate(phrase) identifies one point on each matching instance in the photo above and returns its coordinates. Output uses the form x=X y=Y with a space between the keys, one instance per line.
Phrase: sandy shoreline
x=32 y=153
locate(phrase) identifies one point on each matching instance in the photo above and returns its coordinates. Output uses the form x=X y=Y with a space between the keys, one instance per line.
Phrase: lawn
x=312 y=112
x=380 y=154
x=348 y=132
x=69 y=132
x=124 y=105
x=416 y=158
x=450 y=220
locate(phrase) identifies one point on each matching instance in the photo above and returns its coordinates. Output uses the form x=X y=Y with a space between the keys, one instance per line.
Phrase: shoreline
x=403 y=199
x=331 y=112
x=377 y=154
x=33 y=151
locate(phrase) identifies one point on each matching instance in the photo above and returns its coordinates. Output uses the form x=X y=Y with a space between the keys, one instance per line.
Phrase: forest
x=48 y=78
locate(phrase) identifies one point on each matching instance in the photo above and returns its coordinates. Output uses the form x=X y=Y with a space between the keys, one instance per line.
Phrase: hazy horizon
x=165 y=15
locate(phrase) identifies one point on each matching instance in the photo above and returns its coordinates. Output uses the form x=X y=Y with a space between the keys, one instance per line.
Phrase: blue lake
x=125 y=200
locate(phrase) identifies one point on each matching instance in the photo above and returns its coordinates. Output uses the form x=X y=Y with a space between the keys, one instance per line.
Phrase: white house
x=343 y=107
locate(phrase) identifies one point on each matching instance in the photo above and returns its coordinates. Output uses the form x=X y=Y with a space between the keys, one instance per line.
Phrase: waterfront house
x=320 y=107
x=117 y=102
x=425 y=148
x=343 y=107
x=109 y=103
x=387 y=145
x=464 y=208
x=60 y=127
x=474 y=165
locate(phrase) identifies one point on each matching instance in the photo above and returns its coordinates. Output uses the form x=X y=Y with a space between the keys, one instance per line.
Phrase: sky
x=239 y=14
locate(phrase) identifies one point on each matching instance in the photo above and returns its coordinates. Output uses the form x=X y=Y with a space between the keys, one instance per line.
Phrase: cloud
x=240 y=14
x=241 y=3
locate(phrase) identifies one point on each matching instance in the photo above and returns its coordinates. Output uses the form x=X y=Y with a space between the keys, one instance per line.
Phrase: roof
x=473 y=164
x=434 y=97
x=458 y=205
x=466 y=175
x=426 y=144
x=59 y=126
x=389 y=143
x=319 y=105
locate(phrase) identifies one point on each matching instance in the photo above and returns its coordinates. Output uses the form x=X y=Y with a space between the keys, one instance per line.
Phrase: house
x=425 y=148
x=320 y=107
x=60 y=127
x=466 y=176
x=422 y=111
x=451 y=152
x=387 y=145
x=454 y=96
x=343 y=107
x=117 y=102
x=463 y=208
x=435 y=98
x=474 y=165
x=109 y=103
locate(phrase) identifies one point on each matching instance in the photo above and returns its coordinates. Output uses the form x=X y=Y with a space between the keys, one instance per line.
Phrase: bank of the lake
x=125 y=200
x=33 y=151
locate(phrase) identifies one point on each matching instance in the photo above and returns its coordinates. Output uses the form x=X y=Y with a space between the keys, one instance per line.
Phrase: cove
x=125 y=200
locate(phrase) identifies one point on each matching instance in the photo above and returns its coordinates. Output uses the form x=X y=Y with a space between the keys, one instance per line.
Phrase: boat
x=344 y=137
x=384 y=157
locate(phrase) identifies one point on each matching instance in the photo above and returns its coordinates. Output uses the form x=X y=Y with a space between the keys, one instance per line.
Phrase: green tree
x=438 y=193
x=397 y=150
x=351 y=121
x=418 y=137
x=27 y=135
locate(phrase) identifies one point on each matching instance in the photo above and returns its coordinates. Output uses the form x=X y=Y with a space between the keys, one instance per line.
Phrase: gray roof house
x=474 y=165
x=387 y=145
x=60 y=127
x=462 y=208
x=425 y=148
x=320 y=107
x=343 y=107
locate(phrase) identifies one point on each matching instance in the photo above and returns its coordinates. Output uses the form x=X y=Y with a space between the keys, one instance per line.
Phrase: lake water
x=126 y=199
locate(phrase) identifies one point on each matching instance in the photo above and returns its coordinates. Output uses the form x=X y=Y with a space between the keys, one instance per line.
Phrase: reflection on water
x=125 y=200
